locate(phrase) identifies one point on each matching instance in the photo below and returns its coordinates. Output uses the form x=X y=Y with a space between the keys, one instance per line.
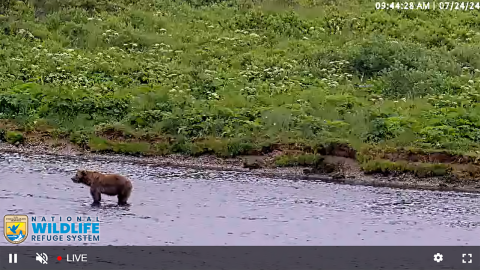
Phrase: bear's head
x=82 y=177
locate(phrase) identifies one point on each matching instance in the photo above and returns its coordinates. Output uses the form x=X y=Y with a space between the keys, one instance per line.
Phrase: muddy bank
x=341 y=169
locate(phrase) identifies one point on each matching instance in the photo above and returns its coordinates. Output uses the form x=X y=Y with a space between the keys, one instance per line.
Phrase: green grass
x=309 y=160
x=14 y=137
x=420 y=170
x=246 y=73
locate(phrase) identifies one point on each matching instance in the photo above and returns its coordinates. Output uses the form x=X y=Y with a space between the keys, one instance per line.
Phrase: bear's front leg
x=96 y=195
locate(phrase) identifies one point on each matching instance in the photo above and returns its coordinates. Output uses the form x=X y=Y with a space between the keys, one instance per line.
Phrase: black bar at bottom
x=237 y=258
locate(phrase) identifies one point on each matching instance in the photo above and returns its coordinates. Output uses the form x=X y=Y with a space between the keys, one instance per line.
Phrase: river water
x=177 y=206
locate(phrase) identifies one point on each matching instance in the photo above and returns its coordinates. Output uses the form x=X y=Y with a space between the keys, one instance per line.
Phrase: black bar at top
x=240 y=258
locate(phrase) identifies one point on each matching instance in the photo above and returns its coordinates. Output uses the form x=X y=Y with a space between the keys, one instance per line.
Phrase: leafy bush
x=6 y=5
x=14 y=137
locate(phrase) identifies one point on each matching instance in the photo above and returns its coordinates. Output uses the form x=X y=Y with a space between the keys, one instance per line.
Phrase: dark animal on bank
x=108 y=184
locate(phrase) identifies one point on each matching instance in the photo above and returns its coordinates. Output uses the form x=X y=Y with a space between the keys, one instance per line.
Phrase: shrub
x=14 y=137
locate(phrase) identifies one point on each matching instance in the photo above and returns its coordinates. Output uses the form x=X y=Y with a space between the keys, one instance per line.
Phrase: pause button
x=12 y=258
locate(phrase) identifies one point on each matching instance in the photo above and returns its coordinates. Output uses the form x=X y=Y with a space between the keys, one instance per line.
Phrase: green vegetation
x=307 y=160
x=421 y=170
x=238 y=77
x=14 y=137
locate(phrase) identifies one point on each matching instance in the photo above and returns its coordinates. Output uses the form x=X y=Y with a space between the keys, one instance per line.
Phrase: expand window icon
x=467 y=258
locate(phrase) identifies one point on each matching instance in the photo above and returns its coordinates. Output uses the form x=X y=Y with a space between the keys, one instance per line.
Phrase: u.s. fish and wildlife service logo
x=15 y=228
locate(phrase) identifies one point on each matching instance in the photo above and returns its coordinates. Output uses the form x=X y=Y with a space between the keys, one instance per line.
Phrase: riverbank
x=335 y=167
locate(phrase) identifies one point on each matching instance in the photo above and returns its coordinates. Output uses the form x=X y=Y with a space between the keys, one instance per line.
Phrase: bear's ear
x=82 y=172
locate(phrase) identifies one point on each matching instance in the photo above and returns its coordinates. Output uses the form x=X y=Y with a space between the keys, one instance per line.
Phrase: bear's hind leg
x=123 y=197
x=96 y=195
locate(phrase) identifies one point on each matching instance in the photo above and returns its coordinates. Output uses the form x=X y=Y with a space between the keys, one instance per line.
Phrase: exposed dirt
x=337 y=166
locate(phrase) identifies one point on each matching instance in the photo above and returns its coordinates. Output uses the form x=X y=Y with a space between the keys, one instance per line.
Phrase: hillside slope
x=389 y=88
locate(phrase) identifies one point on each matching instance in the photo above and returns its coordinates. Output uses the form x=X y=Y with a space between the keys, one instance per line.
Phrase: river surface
x=177 y=206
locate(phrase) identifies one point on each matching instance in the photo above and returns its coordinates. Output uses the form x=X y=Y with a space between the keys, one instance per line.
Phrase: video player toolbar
x=212 y=258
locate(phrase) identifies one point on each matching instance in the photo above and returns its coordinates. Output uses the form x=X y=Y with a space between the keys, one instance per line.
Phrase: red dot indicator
x=59 y=258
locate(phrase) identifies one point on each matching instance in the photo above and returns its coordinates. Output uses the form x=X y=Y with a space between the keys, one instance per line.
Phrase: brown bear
x=108 y=184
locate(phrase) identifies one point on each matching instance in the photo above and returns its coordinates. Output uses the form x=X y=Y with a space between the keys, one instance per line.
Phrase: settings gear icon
x=438 y=257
